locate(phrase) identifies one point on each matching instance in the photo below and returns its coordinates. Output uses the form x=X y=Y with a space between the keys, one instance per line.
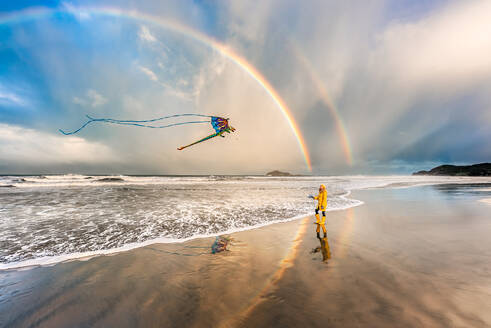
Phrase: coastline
x=406 y=257
x=83 y=256
x=145 y=277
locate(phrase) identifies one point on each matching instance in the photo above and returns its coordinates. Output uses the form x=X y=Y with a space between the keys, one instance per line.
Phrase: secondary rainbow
x=85 y=12
x=326 y=99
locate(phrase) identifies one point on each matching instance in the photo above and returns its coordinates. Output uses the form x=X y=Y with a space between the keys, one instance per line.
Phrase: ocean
x=53 y=218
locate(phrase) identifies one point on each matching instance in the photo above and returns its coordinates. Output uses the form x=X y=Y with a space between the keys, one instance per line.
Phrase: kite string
x=137 y=123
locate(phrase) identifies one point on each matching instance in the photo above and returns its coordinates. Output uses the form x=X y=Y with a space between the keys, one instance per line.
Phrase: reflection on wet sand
x=163 y=285
x=264 y=293
x=323 y=248
x=345 y=234
x=410 y=259
x=407 y=258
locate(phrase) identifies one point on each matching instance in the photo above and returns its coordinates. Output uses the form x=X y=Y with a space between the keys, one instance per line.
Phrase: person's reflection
x=324 y=248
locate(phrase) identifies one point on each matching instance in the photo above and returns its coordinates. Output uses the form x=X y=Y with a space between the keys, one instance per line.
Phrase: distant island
x=109 y=180
x=476 y=170
x=277 y=173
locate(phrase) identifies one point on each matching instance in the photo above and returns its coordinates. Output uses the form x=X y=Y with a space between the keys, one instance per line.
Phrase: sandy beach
x=414 y=257
x=168 y=163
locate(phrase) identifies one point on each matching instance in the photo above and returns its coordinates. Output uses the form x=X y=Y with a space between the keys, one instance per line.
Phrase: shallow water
x=47 y=219
x=415 y=257
x=412 y=257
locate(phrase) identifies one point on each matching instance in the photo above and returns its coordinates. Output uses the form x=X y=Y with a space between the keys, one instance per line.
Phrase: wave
x=52 y=260
x=125 y=212
x=352 y=182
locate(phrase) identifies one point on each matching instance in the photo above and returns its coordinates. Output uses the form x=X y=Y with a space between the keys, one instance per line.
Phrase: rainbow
x=345 y=233
x=176 y=26
x=326 y=99
x=285 y=263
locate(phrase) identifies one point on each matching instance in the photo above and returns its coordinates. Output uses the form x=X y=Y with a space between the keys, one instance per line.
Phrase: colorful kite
x=219 y=124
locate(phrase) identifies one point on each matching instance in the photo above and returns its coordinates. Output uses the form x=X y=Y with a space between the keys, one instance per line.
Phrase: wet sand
x=486 y=200
x=416 y=257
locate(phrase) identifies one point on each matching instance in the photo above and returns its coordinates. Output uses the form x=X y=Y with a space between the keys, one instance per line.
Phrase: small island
x=109 y=180
x=476 y=170
x=277 y=173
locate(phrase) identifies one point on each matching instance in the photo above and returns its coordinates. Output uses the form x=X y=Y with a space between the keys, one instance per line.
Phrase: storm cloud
x=374 y=87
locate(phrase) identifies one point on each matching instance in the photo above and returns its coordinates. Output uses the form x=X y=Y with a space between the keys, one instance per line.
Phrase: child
x=321 y=206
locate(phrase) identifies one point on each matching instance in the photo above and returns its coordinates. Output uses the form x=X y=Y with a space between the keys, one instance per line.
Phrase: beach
x=407 y=257
x=245 y=164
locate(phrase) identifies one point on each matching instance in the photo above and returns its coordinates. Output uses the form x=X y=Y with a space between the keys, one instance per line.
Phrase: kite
x=219 y=124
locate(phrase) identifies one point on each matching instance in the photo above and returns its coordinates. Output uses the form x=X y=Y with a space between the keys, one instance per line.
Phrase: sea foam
x=49 y=219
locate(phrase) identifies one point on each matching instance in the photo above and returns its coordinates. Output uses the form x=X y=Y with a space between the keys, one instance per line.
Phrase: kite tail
x=201 y=140
x=80 y=128
x=139 y=123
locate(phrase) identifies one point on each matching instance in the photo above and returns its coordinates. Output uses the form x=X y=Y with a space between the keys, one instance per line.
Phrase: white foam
x=84 y=256
x=84 y=219
x=357 y=181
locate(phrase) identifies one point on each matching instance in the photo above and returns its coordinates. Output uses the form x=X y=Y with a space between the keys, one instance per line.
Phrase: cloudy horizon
x=382 y=87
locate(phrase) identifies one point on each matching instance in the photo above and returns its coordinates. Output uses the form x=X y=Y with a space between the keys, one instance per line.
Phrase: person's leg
x=317 y=220
x=323 y=222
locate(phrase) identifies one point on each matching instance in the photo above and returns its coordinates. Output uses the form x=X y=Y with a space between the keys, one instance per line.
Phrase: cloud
x=183 y=82
x=213 y=69
x=393 y=83
x=252 y=30
x=419 y=83
x=407 y=87
x=79 y=101
x=31 y=147
x=145 y=34
x=79 y=13
x=169 y=87
x=93 y=99
x=450 y=47
x=148 y=72
x=13 y=96
x=9 y=99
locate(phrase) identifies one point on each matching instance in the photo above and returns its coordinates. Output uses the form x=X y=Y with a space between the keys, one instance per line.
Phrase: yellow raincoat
x=321 y=206
x=322 y=200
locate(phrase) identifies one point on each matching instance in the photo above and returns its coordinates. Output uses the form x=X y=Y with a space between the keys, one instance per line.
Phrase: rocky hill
x=483 y=169
x=277 y=173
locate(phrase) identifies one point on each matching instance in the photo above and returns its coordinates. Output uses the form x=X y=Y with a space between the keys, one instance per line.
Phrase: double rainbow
x=327 y=100
x=176 y=26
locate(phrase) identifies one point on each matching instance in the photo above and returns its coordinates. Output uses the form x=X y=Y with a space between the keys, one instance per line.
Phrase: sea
x=53 y=218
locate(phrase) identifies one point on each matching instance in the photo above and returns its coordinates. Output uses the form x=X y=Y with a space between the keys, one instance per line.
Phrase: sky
x=312 y=87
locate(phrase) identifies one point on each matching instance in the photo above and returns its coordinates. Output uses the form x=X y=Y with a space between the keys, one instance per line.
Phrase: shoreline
x=83 y=256
x=408 y=257
x=174 y=265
